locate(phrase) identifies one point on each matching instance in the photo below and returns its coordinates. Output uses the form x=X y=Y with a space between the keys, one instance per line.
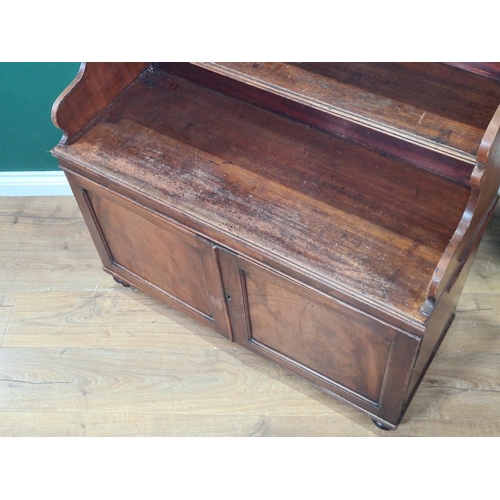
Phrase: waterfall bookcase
x=323 y=215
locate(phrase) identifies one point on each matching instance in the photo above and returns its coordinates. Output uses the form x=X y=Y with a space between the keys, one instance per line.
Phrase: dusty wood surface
x=81 y=355
x=381 y=247
x=432 y=100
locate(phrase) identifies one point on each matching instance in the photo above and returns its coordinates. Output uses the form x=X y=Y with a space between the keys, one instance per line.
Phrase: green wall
x=27 y=92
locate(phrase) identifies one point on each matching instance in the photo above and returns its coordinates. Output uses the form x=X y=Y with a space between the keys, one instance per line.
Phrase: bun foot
x=126 y=285
x=380 y=426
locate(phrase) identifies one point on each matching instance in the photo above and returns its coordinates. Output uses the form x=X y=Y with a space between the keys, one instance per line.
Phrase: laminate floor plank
x=83 y=356
x=166 y=424
x=484 y=276
x=6 y=305
x=37 y=223
x=476 y=327
x=465 y=371
x=7 y=299
x=210 y=381
x=28 y=271
x=123 y=318
x=448 y=427
x=46 y=240
x=449 y=403
x=55 y=424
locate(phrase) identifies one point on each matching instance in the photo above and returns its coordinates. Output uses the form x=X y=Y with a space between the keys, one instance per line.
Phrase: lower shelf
x=262 y=184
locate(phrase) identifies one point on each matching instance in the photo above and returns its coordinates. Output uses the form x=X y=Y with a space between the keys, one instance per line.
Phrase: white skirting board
x=34 y=184
x=52 y=183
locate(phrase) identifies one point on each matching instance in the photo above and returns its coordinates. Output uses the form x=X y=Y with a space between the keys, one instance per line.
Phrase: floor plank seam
x=463 y=389
x=8 y=320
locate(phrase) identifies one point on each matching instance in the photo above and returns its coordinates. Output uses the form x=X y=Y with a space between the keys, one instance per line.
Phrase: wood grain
x=476 y=326
x=96 y=92
x=7 y=300
x=489 y=69
x=428 y=103
x=140 y=424
x=381 y=246
x=121 y=318
x=153 y=380
x=485 y=183
x=485 y=274
x=160 y=253
x=272 y=302
x=320 y=117
x=42 y=237
x=158 y=373
x=166 y=424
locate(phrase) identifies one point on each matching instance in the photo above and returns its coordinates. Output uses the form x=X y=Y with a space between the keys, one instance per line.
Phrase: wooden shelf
x=433 y=105
x=355 y=219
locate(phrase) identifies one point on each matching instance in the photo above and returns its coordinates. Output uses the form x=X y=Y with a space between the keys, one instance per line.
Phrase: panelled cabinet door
x=329 y=343
x=154 y=253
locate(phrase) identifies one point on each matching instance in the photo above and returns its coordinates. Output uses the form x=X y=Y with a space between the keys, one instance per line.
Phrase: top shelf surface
x=255 y=181
x=440 y=107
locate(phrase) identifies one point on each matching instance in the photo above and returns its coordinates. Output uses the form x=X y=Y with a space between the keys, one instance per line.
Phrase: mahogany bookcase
x=323 y=215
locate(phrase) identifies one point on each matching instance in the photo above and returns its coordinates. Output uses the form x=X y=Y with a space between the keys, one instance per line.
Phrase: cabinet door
x=325 y=341
x=154 y=253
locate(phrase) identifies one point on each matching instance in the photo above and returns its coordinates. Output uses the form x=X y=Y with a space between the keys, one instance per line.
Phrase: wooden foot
x=126 y=285
x=381 y=426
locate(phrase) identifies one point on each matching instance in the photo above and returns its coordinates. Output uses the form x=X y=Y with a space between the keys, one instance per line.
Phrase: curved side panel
x=484 y=183
x=93 y=88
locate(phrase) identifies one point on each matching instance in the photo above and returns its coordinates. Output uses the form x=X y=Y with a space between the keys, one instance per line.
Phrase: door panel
x=169 y=259
x=325 y=341
x=316 y=336
x=154 y=253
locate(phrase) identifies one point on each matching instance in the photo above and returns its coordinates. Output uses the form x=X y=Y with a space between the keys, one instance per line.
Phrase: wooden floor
x=83 y=356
